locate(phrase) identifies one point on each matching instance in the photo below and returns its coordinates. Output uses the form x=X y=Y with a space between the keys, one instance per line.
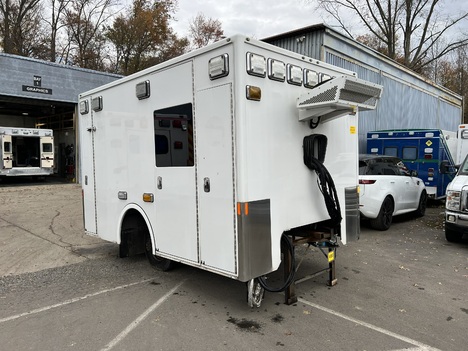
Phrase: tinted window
x=46 y=147
x=410 y=153
x=391 y=151
x=7 y=146
x=381 y=167
x=173 y=136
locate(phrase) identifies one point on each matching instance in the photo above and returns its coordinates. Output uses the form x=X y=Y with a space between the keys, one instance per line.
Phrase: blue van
x=429 y=152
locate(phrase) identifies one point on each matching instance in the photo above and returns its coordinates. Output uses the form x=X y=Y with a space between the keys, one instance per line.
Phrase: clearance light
x=294 y=74
x=428 y=157
x=122 y=195
x=142 y=90
x=148 y=197
x=311 y=78
x=96 y=104
x=366 y=181
x=276 y=70
x=256 y=65
x=218 y=66
x=253 y=93
x=84 y=107
x=325 y=77
x=374 y=150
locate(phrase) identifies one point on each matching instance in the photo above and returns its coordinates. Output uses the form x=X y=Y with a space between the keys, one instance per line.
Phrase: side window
x=7 y=146
x=173 y=136
x=46 y=147
x=390 y=168
x=391 y=151
x=362 y=168
x=410 y=153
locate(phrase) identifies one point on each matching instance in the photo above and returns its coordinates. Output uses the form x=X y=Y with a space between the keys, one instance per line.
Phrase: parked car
x=387 y=189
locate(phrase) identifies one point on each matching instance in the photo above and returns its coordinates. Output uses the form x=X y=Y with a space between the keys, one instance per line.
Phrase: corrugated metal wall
x=408 y=101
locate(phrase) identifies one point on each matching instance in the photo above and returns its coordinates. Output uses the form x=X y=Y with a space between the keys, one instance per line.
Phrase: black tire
x=385 y=216
x=159 y=263
x=421 y=211
x=453 y=236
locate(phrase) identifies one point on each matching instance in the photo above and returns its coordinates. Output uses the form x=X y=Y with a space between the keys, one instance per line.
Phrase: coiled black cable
x=262 y=280
x=324 y=179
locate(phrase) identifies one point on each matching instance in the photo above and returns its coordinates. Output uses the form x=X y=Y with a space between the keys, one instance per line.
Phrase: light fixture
x=256 y=65
x=142 y=90
x=276 y=70
x=84 y=107
x=96 y=104
x=218 y=66
x=294 y=74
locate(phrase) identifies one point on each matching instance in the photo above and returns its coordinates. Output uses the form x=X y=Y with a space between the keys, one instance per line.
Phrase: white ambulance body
x=200 y=159
x=26 y=152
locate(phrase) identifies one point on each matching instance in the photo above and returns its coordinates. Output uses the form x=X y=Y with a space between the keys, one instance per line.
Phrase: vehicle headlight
x=452 y=201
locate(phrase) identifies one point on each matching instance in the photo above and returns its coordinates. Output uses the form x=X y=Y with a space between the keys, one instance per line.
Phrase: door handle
x=159 y=183
x=206 y=185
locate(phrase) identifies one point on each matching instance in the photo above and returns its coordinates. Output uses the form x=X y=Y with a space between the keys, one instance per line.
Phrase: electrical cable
x=324 y=179
x=262 y=280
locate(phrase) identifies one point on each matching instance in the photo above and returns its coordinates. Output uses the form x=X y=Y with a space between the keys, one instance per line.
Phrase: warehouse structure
x=41 y=94
x=409 y=101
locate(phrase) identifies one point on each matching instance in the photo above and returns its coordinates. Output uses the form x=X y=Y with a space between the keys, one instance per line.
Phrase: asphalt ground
x=403 y=289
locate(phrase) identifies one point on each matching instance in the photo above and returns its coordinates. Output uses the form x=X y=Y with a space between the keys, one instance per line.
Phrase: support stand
x=322 y=241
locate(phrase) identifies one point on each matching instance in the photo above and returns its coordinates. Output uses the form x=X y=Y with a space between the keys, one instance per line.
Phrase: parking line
x=421 y=346
x=67 y=302
x=140 y=319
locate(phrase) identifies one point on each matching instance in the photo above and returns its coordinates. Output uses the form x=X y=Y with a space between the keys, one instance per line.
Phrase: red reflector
x=428 y=156
x=178 y=145
x=366 y=181
x=430 y=169
x=177 y=123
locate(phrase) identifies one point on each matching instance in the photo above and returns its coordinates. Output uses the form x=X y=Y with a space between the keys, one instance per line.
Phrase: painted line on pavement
x=421 y=346
x=140 y=319
x=67 y=302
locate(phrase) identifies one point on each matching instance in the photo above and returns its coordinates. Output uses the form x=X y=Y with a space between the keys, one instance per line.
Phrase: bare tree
x=85 y=21
x=19 y=22
x=204 y=31
x=55 y=22
x=409 y=29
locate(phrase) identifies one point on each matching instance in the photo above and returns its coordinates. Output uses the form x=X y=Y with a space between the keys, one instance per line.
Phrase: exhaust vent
x=337 y=97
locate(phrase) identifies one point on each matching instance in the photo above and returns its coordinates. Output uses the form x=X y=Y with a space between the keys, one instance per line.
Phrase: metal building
x=409 y=100
x=41 y=94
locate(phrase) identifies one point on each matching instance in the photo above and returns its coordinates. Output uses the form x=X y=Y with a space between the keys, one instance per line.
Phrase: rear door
x=87 y=170
x=6 y=151
x=47 y=152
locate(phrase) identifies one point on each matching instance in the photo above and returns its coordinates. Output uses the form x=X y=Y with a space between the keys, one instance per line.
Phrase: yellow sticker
x=428 y=143
x=331 y=256
x=352 y=129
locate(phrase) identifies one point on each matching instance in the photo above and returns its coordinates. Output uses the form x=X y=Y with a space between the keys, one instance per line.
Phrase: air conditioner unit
x=338 y=96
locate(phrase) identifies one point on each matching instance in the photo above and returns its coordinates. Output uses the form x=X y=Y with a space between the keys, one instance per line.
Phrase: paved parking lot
x=404 y=289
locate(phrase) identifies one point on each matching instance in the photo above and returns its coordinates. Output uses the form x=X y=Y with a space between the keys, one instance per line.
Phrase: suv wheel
x=421 y=211
x=385 y=216
x=453 y=236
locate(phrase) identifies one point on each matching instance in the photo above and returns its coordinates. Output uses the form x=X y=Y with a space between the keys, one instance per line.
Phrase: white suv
x=388 y=189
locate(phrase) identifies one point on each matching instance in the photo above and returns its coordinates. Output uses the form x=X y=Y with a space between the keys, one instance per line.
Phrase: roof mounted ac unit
x=337 y=97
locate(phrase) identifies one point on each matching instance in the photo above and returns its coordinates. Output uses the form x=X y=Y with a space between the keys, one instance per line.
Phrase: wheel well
x=133 y=232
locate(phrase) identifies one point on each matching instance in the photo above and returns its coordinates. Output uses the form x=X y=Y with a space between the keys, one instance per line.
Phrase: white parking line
x=421 y=346
x=67 y=302
x=137 y=321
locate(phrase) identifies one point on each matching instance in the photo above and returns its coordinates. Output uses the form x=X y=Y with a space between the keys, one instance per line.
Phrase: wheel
x=384 y=218
x=255 y=293
x=453 y=236
x=160 y=263
x=422 y=204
